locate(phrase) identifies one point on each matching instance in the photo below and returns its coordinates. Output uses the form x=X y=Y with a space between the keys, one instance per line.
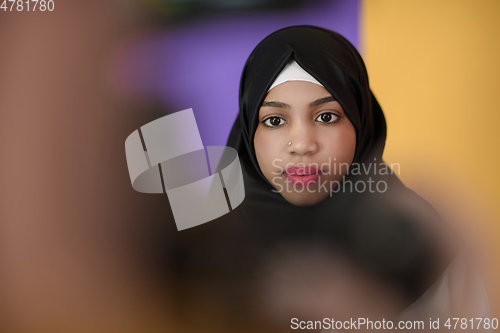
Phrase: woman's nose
x=302 y=141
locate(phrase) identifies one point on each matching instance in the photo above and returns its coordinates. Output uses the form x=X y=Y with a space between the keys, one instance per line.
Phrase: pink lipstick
x=302 y=176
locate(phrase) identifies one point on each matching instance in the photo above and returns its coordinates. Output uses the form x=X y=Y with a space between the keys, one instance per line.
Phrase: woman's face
x=323 y=141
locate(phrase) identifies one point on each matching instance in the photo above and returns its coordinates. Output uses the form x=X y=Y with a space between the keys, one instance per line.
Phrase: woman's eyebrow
x=281 y=105
x=322 y=101
x=275 y=104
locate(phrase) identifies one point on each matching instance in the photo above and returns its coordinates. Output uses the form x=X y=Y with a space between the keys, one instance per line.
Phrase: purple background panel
x=198 y=65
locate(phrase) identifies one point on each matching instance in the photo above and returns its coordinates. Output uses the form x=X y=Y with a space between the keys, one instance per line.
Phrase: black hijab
x=375 y=229
x=329 y=58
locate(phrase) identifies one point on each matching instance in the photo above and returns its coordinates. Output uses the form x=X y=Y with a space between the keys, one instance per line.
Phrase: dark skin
x=321 y=136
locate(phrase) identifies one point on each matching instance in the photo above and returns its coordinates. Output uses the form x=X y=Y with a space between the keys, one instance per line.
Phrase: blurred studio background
x=76 y=81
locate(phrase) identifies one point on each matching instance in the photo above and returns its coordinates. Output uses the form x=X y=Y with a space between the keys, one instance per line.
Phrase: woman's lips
x=302 y=176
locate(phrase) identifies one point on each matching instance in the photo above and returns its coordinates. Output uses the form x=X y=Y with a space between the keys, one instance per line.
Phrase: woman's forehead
x=297 y=91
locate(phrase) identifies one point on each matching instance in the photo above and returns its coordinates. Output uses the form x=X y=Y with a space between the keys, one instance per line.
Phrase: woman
x=310 y=136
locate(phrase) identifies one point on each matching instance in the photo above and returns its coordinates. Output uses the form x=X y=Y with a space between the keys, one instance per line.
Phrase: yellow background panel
x=435 y=69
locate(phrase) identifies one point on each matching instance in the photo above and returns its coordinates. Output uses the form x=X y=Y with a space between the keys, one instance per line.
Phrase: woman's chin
x=304 y=198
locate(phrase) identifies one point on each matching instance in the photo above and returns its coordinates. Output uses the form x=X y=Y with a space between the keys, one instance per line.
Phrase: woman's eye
x=327 y=117
x=274 y=121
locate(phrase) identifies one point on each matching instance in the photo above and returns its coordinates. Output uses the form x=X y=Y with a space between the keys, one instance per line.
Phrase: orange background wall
x=435 y=69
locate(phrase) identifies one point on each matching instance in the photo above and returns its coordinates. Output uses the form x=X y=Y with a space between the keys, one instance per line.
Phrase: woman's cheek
x=263 y=150
x=343 y=145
